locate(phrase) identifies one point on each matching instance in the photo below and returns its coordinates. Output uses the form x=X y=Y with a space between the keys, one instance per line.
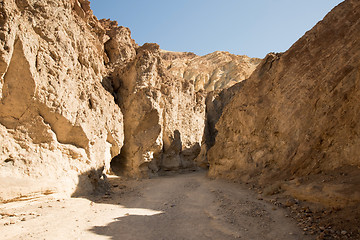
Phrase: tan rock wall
x=215 y=103
x=56 y=119
x=298 y=113
x=217 y=75
x=163 y=116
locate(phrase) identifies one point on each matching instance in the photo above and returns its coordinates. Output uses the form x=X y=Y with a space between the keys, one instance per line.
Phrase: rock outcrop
x=162 y=96
x=57 y=121
x=295 y=120
x=120 y=48
x=164 y=117
x=212 y=72
x=218 y=75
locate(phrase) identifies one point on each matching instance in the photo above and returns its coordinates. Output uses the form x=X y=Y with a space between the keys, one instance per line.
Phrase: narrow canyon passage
x=185 y=206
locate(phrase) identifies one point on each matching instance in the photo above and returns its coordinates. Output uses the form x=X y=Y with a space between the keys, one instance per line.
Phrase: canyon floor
x=181 y=206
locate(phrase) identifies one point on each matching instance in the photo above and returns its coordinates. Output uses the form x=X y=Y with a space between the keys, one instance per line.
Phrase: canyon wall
x=67 y=79
x=164 y=117
x=162 y=95
x=296 y=118
x=57 y=122
x=219 y=75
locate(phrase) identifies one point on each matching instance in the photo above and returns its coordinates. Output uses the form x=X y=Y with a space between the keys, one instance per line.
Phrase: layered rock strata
x=297 y=116
x=57 y=122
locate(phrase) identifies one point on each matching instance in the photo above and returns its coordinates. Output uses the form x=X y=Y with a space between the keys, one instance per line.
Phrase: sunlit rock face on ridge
x=214 y=71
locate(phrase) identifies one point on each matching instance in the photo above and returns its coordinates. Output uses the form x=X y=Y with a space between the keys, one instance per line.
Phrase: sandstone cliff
x=57 y=122
x=214 y=71
x=163 y=115
x=295 y=120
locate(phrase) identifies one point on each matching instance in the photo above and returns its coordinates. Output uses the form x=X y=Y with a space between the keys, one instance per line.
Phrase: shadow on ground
x=137 y=216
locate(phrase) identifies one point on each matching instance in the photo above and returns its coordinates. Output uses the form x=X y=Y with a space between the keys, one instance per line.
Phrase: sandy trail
x=186 y=206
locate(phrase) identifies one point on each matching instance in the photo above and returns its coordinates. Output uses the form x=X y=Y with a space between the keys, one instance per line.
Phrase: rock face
x=215 y=71
x=120 y=47
x=57 y=121
x=298 y=114
x=164 y=117
x=66 y=81
x=162 y=96
x=218 y=75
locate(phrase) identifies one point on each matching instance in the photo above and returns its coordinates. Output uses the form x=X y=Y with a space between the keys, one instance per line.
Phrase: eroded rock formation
x=77 y=93
x=162 y=95
x=212 y=72
x=65 y=75
x=295 y=120
x=164 y=116
x=56 y=119
x=218 y=75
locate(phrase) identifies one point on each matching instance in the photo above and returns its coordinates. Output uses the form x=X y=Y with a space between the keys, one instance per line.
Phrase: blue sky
x=246 y=27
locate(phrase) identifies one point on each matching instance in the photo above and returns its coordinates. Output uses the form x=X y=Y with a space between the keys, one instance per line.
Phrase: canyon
x=86 y=112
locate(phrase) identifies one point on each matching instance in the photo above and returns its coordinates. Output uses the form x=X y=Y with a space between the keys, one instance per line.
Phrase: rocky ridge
x=212 y=72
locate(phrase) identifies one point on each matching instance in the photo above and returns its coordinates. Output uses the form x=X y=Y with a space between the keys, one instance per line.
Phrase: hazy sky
x=251 y=27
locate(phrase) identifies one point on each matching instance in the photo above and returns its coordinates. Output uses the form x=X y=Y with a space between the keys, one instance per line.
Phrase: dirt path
x=187 y=206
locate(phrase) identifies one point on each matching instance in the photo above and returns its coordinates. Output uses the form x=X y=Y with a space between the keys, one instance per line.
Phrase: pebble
x=343 y=232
